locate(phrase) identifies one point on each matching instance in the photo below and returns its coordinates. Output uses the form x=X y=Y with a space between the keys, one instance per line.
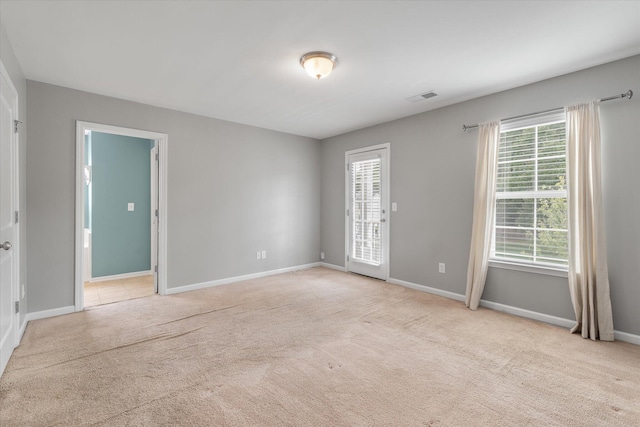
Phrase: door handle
x=383 y=220
x=6 y=246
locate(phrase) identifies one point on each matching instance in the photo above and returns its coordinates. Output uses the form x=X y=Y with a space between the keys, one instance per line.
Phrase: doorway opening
x=120 y=214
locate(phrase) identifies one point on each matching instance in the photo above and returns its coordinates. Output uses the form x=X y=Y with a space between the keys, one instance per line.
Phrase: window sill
x=549 y=271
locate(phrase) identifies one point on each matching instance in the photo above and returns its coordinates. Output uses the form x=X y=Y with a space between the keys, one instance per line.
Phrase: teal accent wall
x=121 y=239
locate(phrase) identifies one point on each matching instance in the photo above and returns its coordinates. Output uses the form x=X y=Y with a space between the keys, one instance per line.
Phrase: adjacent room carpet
x=313 y=348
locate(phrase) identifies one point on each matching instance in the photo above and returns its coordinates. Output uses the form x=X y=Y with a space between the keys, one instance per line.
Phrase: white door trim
x=15 y=284
x=162 y=140
x=154 y=219
x=386 y=184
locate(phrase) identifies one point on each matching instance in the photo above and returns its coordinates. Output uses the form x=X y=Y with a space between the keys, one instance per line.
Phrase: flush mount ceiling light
x=318 y=64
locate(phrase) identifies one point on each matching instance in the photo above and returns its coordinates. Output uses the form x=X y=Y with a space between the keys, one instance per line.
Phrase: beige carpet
x=313 y=348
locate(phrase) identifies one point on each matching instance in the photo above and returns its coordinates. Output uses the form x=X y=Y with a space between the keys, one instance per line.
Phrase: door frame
x=386 y=182
x=153 y=155
x=161 y=142
x=15 y=195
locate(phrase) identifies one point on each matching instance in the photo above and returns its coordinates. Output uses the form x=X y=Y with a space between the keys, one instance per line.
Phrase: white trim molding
x=45 y=314
x=162 y=141
x=626 y=337
x=516 y=311
x=536 y=269
x=541 y=317
x=428 y=289
x=228 y=280
x=528 y=314
x=23 y=327
x=332 y=266
x=121 y=276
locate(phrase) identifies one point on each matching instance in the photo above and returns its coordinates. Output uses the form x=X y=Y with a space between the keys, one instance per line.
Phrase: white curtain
x=483 y=211
x=588 y=274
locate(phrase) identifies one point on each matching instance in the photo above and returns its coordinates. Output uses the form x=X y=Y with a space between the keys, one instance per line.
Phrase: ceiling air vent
x=422 y=96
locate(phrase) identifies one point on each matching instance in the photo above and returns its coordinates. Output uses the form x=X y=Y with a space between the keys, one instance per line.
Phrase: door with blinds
x=367 y=245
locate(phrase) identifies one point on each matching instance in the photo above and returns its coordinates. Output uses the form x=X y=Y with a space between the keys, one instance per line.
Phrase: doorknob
x=6 y=246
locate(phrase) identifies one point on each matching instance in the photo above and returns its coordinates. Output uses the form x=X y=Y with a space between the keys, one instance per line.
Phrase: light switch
x=394 y=207
x=130 y=207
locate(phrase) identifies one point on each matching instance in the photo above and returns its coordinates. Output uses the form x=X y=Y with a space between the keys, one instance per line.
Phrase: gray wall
x=232 y=190
x=12 y=66
x=432 y=179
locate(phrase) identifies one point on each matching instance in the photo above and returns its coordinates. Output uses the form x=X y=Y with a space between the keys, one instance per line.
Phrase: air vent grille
x=422 y=96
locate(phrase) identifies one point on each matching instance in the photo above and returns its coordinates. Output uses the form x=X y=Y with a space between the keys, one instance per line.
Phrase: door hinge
x=156 y=269
x=17 y=217
x=156 y=213
x=157 y=157
x=347 y=212
x=347 y=166
x=15 y=125
x=17 y=307
x=347 y=258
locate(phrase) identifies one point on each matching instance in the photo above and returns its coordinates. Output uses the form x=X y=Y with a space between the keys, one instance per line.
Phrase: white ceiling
x=238 y=60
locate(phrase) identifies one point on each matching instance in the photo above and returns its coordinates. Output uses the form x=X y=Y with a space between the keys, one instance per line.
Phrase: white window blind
x=365 y=226
x=531 y=193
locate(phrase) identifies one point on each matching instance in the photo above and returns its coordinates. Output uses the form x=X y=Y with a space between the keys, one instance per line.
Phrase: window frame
x=541 y=119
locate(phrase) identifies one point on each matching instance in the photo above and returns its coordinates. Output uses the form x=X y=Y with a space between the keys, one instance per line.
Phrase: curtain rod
x=628 y=94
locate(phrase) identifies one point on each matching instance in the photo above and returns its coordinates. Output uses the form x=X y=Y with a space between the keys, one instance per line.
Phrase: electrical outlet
x=321 y=255
x=264 y=254
x=394 y=207
x=258 y=255
x=441 y=267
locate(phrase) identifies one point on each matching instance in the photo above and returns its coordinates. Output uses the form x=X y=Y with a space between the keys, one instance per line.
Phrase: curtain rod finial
x=628 y=94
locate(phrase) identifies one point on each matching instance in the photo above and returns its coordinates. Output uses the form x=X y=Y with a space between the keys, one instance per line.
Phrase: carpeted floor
x=313 y=348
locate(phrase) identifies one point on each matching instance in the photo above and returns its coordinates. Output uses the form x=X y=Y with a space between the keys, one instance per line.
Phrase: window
x=531 y=192
x=366 y=239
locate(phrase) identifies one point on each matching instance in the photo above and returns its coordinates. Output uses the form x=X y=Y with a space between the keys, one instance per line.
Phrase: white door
x=8 y=227
x=367 y=214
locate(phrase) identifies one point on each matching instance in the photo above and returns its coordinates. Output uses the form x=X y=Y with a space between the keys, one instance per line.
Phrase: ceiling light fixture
x=318 y=64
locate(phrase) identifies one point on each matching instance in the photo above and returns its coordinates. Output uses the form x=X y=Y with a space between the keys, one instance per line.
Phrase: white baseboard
x=534 y=315
x=332 y=266
x=23 y=328
x=520 y=312
x=121 y=276
x=49 y=313
x=626 y=337
x=553 y=320
x=428 y=289
x=226 y=281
